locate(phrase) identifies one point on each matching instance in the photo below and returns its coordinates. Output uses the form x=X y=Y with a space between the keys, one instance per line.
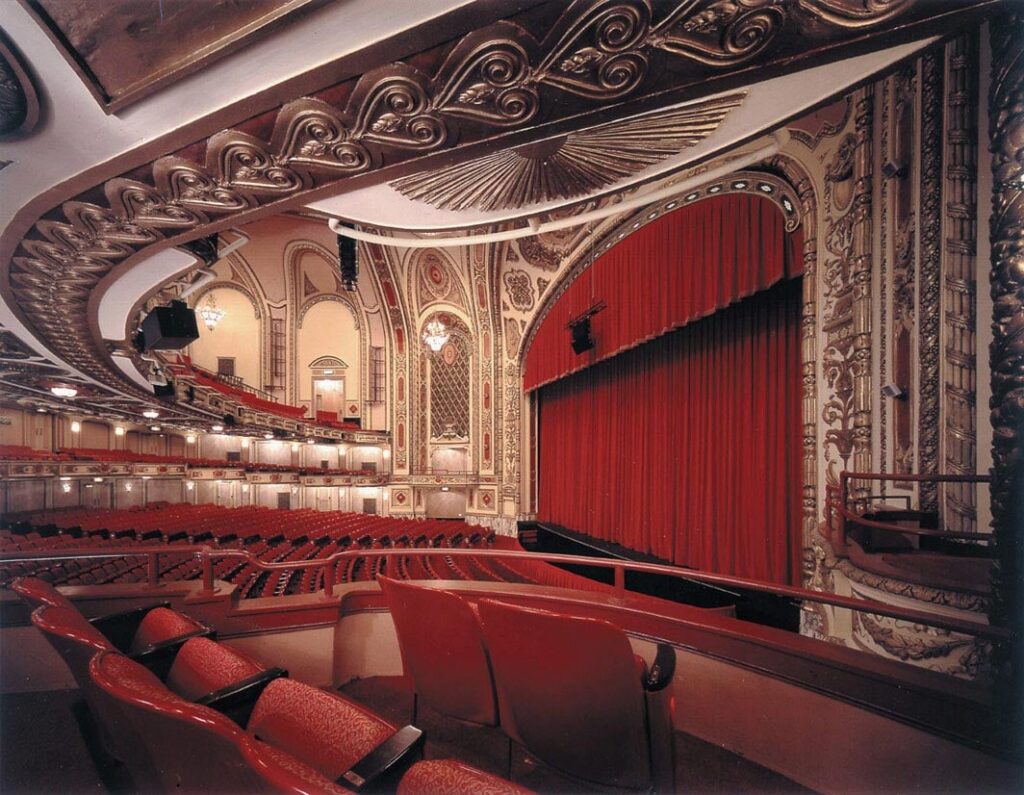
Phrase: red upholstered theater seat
x=173 y=745
x=203 y=666
x=443 y=650
x=572 y=692
x=446 y=776
x=35 y=593
x=326 y=731
x=161 y=624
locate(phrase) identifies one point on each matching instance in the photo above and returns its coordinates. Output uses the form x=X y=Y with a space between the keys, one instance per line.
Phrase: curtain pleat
x=683 y=266
x=687 y=447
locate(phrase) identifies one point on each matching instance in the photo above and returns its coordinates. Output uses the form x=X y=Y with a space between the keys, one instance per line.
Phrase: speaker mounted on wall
x=579 y=327
x=169 y=328
x=348 y=261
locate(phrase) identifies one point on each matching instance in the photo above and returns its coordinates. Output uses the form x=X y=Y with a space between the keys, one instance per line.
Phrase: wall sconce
x=295 y=489
x=65 y=487
x=894 y=391
x=76 y=426
x=295 y=447
x=245 y=488
x=190 y=439
x=118 y=430
x=97 y=480
x=245 y=443
x=189 y=485
x=128 y=487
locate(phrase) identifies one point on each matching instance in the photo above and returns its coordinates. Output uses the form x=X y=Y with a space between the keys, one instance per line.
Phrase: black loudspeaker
x=164 y=391
x=168 y=328
x=581 y=339
x=229 y=420
x=348 y=259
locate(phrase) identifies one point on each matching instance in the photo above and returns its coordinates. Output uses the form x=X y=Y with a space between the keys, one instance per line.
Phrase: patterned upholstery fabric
x=203 y=666
x=326 y=731
x=35 y=592
x=161 y=624
x=267 y=757
x=445 y=776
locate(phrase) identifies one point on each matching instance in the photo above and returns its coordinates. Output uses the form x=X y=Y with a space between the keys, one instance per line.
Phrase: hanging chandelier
x=211 y=313
x=435 y=335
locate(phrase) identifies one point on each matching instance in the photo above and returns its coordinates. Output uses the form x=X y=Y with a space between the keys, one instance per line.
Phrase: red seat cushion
x=161 y=624
x=203 y=665
x=444 y=776
x=324 y=730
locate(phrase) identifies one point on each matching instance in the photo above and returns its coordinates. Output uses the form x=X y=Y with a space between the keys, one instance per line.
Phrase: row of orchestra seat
x=270 y=536
x=183 y=712
x=568 y=689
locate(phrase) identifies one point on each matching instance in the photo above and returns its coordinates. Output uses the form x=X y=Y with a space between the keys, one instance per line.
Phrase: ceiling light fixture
x=154 y=427
x=268 y=436
x=216 y=428
x=150 y=414
x=64 y=391
x=211 y=313
x=435 y=335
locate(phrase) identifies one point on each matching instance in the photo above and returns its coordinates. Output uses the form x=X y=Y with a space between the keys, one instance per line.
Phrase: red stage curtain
x=702 y=257
x=687 y=447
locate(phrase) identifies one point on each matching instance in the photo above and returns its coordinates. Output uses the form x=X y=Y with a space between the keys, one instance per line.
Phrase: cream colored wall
x=26 y=428
x=238 y=335
x=328 y=329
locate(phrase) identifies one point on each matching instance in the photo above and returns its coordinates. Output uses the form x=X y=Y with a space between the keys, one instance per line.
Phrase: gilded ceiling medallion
x=568 y=166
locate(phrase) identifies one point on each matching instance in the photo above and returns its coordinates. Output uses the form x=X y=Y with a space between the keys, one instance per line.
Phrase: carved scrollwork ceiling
x=572 y=165
x=500 y=77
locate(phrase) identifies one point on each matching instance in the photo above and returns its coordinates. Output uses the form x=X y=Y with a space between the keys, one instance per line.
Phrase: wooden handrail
x=842 y=506
x=619 y=567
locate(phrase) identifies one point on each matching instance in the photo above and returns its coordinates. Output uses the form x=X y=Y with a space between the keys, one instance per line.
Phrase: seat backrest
x=570 y=690
x=443 y=651
x=73 y=637
x=160 y=624
x=171 y=744
x=35 y=593
x=325 y=731
x=202 y=666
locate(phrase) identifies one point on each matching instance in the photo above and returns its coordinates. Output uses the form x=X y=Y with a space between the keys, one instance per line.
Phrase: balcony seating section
x=20 y=452
x=267 y=535
x=331 y=420
x=216 y=721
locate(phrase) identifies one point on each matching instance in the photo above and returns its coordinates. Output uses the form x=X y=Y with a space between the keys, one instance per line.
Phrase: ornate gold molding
x=929 y=283
x=959 y=280
x=572 y=165
x=493 y=79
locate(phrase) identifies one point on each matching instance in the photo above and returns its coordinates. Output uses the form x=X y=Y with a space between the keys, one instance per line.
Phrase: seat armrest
x=388 y=761
x=662 y=669
x=120 y=627
x=159 y=657
x=237 y=700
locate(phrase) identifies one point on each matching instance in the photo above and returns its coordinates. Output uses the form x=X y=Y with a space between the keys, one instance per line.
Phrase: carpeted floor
x=700 y=766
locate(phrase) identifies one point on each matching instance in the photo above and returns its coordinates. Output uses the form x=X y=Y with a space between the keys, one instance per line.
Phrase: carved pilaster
x=861 y=256
x=930 y=203
x=958 y=280
x=1006 y=126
